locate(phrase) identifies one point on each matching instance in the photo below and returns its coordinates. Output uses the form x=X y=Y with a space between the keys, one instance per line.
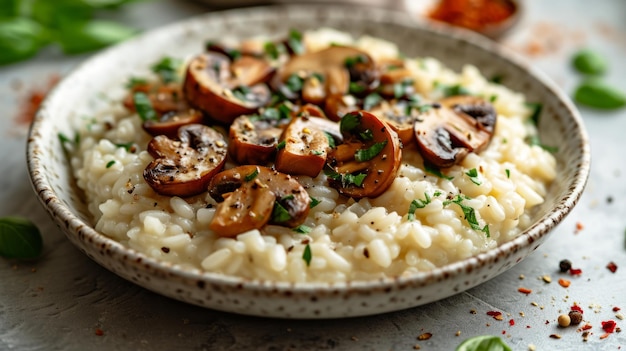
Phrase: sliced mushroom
x=184 y=167
x=339 y=105
x=463 y=124
x=336 y=67
x=303 y=147
x=368 y=161
x=169 y=122
x=212 y=87
x=237 y=190
x=253 y=140
x=401 y=115
x=164 y=98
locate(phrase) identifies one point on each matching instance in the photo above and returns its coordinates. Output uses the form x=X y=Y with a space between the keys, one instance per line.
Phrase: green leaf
x=483 y=343
x=302 y=229
x=294 y=82
x=350 y=122
x=135 y=81
x=371 y=101
x=167 y=69
x=429 y=168
x=363 y=155
x=241 y=92
x=595 y=93
x=349 y=62
x=535 y=113
x=452 y=90
x=331 y=140
x=415 y=204
x=10 y=8
x=252 y=175
x=534 y=140
x=473 y=175
x=20 y=39
x=295 y=42
x=143 y=106
x=307 y=255
x=110 y=163
x=19 y=238
x=280 y=213
x=589 y=62
x=76 y=38
x=355 y=179
x=469 y=213
x=314 y=202
x=281 y=145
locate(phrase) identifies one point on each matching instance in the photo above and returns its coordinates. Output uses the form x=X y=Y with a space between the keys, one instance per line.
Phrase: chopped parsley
x=294 y=82
x=133 y=82
x=366 y=135
x=345 y=179
x=251 y=176
x=307 y=255
x=314 y=202
x=302 y=229
x=469 y=214
x=417 y=203
x=350 y=122
x=371 y=101
x=280 y=213
x=473 y=175
x=316 y=152
x=241 y=92
x=508 y=173
x=401 y=89
x=143 y=106
x=363 y=155
x=273 y=50
x=126 y=146
x=535 y=113
x=281 y=145
x=350 y=62
x=167 y=69
x=429 y=168
x=493 y=98
x=534 y=140
x=331 y=140
x=356 y=88
x=110 y=163
x=451 y=90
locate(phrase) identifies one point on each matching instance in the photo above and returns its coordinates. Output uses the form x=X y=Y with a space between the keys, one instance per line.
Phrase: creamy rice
x=350 y=240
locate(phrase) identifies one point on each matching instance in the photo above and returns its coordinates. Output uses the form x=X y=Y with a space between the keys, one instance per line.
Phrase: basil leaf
x=20 y=38
x=483 y=343
x=363 y=155
x=19 y=238
x=589 y=62
x=597 y=94
x=76 y=38
x=143 y=106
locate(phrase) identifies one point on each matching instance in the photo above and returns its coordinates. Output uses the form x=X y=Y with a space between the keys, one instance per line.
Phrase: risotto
x=425 y=215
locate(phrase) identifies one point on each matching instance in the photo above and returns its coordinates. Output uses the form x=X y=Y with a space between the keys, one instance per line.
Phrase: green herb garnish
x=19 y=238
x=350 y=122
x=126 y=146
x=400 y=89
x=295 y=42
x=345 y=179
x=349 y=62
x=417 y=203
x=534 y=140
x=429 y=168
x=371 y=101
x=473 y=175
x=241 y=92
x=452 y=90
x=366 y=135
x=281 y=145
x=331 y=140
x=143 y=106
x=314 y=202
x=535 y=113
x=363 y=155
x=280 y=213
x=302 y=229
x=316 y=152
x=356 y=88
x=167 y=69
x=307 y=255
x=469 y=213
x=251 y=176
x=508 y=173
x=273 y=50
x=294 y=83
x=110 y=163
x=134 y=82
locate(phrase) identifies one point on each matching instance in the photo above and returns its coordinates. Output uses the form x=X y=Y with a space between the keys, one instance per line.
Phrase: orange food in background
x=472 y=14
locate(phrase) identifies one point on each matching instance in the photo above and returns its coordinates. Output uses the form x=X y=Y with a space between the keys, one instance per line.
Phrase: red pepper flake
x=609 y=326
x=524 y=290
x=586 y=327
x=575 y=271
x=577 y=308
x=564 y=283
x=496 y=315
x=604 y=336
x=504 y=332
x=30 y=104
x=99 y=332
x=612 y=267
x=511 y=322
x=616 y=309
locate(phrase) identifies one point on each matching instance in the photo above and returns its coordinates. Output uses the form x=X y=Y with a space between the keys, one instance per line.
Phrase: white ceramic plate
x=53 y=183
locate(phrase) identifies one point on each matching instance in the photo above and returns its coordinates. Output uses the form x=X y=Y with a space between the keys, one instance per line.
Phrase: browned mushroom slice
x=339 y=105
x=184 y=167
x=249 y=207
x=401 y=115
x=169 y=122
x=463 y=124
x=368 y=161
x=164 y=98
x=253 y=140
x=249 y=71
x=303 y=147
x=395 y=79
x=290 y=205
x=211 y=87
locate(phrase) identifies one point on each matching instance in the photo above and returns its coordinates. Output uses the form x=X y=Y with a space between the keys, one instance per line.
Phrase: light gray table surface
x=59 y=301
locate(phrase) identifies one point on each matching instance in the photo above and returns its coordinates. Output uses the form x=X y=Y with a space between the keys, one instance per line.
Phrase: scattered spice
x=473 y=14
x=604 y=336
x=575 y=317
x=99 y=332
x=565 y=265
x=497 y=315
x=524 y=290
x=564 y=283
x=609 y=326
x=555 y=336
x=425 y=336
x=511 y=322
x=611 y=267
x=564 y=321
x=547 y=278
x=30 y=103
x=586 y=327
x=575 y=271
x=616 y=309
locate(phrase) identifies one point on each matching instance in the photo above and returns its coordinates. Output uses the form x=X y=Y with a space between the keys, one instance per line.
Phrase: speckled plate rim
x=529 y=240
